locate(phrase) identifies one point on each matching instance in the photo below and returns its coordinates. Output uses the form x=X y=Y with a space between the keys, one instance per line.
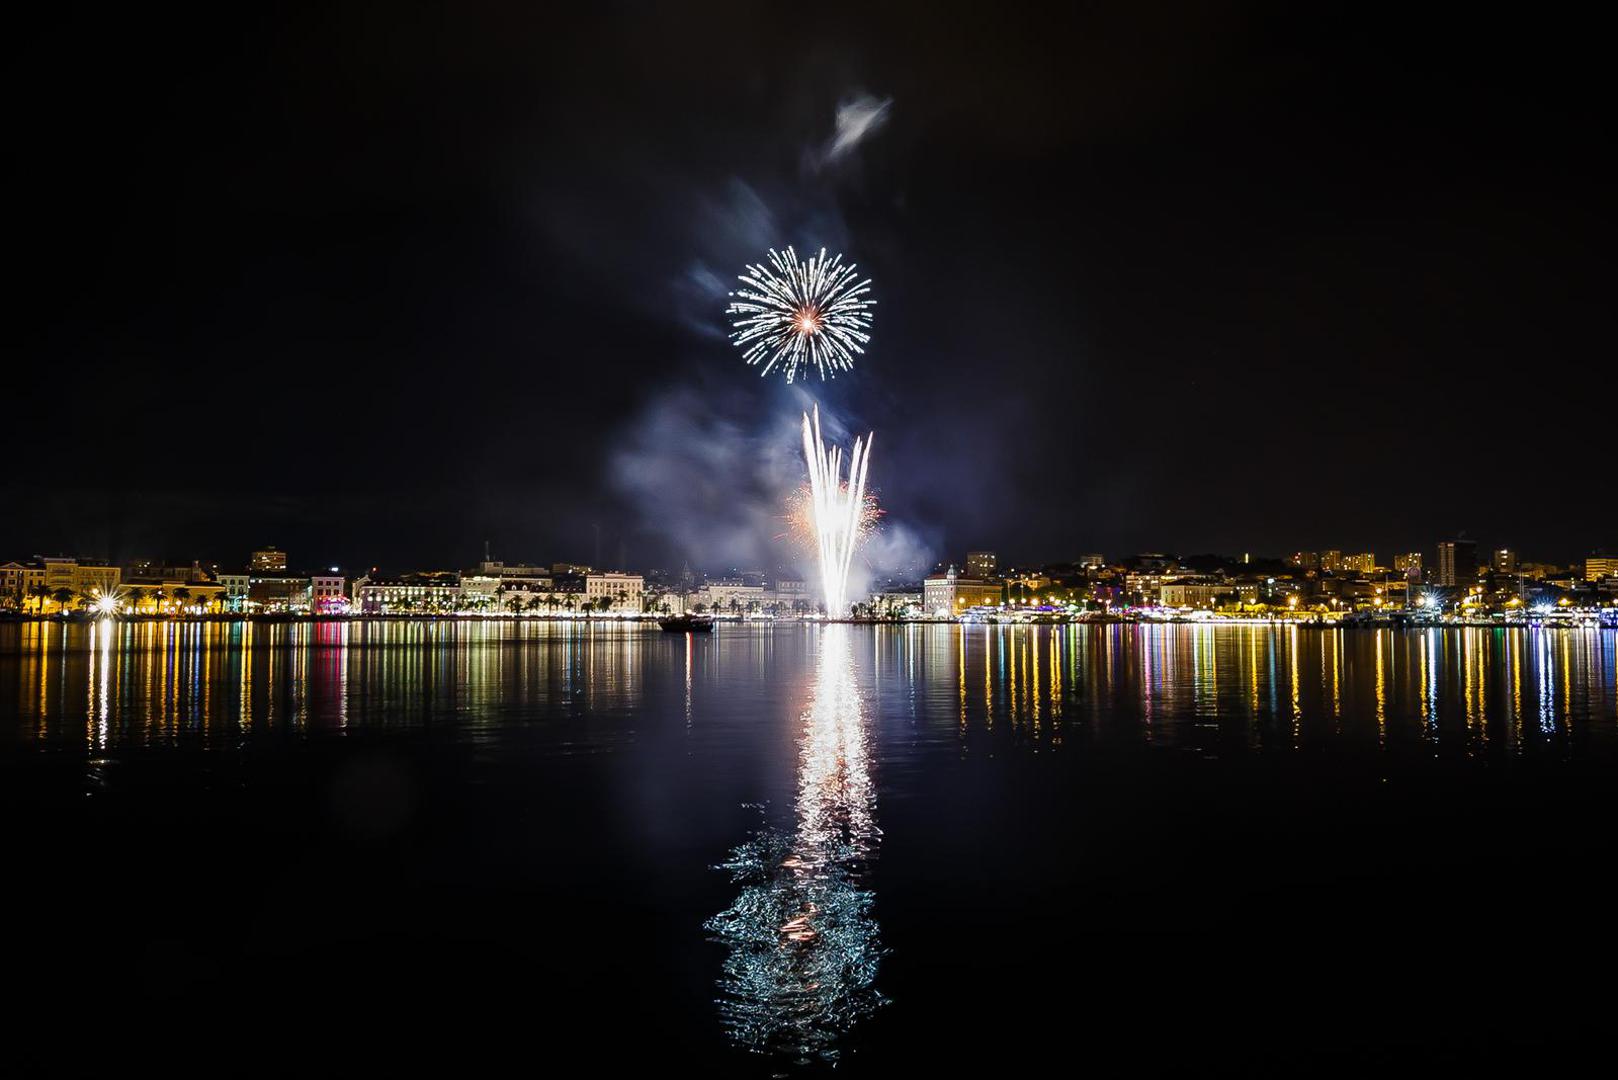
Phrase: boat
x=683 y=624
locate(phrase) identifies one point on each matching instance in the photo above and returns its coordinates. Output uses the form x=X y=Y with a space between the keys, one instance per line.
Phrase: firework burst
x=791 y=314
x=799 y=519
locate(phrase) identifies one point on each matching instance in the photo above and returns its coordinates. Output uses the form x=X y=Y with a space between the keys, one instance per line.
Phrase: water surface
x=788 y=848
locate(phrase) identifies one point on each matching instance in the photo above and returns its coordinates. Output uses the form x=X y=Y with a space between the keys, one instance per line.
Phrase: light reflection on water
x=866 y=712
x=803 y=947
x=108 y=684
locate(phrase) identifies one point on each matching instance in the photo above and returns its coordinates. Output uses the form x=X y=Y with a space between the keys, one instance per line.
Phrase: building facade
x=1597 y=567
x=949 y=595
x=1360 y=563
x=1206 y=594
x=615 y=591
x=735 y=596
x=1457 y=562
x=983 y=565
x=407 y=596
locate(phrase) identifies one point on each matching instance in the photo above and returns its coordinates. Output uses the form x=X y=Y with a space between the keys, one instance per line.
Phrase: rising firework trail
x=837 y=509
x=792 y=314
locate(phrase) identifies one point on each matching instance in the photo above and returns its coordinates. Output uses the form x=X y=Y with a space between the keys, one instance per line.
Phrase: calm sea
x=776 y=850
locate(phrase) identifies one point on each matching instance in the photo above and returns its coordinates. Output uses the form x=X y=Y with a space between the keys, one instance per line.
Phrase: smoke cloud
x=857 y=118
x=712 y=471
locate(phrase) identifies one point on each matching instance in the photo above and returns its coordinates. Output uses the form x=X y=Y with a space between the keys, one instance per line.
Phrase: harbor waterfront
x=792 y=845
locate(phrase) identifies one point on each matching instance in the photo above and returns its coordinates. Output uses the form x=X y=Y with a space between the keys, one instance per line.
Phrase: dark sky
x=378 y=283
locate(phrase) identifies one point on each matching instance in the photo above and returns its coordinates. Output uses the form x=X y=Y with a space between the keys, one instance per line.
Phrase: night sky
x=377 y=285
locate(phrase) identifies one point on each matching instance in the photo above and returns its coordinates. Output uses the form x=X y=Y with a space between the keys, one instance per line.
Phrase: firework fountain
x=789 y=315
x=838 y=508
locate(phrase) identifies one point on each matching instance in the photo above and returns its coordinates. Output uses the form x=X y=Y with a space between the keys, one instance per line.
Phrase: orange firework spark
x=800 y=519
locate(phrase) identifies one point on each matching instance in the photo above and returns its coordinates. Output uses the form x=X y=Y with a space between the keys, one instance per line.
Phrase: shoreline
x=1585 y=623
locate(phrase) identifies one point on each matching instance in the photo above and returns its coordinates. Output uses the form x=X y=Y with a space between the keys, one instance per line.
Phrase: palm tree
x=181 y=595
x=62 y=596
x=40 y=594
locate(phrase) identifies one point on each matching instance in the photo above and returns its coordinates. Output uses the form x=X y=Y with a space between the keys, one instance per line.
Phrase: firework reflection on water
x=803 y=945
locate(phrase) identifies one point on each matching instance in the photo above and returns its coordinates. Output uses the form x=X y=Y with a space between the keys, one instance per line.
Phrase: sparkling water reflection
x=114 y=684
x=1035 y=783
x=803 y=948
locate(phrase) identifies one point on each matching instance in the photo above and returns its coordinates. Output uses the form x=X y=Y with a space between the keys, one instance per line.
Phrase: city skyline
x=1431 y=558
x=1330 y=586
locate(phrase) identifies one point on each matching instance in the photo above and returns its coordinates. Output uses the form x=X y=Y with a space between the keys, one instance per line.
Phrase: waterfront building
x=898 y=602
x=1597 y=567
x=64 y=573
x=1305 y=560
x=325 y=594
x=236 y=586
x=1457 y=562
x=411 y=594
x=479 y=591
x=949 y=594
x=1205 y=593
x=1504 y=561
x=17 y=581
x=735 y=595
x=176 y=596
x=1093 y=561
x=1146 y=587
x=273 y=592
x=518 y=578
x=37 y=585
x=615 y=591
x=1408 y=562
x=790 y=595
x=1331 y=561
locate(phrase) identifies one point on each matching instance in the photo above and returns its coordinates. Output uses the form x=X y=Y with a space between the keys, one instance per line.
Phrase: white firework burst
x=792 y=314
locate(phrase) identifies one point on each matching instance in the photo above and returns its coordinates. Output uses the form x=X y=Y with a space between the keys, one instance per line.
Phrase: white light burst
x=837 y=509
x=790 y=314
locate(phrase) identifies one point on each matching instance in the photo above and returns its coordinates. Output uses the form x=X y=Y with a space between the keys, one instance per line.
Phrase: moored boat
x=680 y=624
